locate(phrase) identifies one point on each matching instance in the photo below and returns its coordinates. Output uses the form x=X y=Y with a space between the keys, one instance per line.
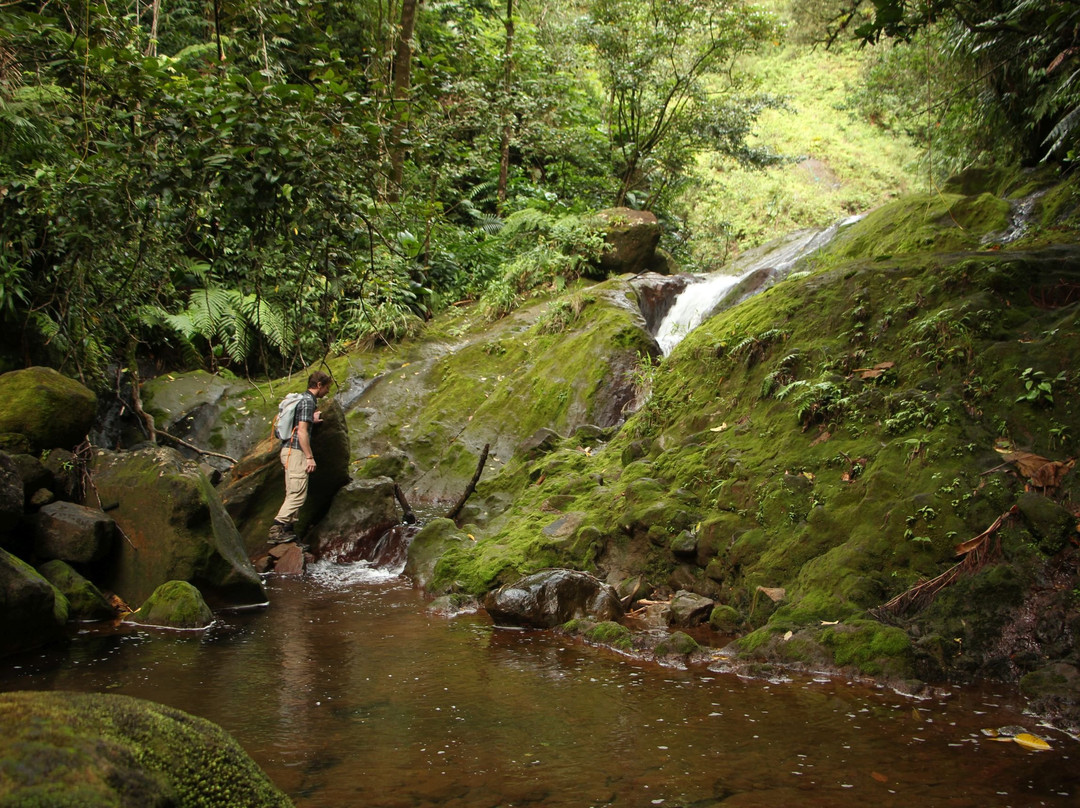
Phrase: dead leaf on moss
x=824 y=436
x=773 y=593
x=874 y=372
x=1040 y=472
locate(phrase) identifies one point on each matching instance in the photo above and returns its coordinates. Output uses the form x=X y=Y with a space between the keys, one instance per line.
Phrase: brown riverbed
x=349 y=693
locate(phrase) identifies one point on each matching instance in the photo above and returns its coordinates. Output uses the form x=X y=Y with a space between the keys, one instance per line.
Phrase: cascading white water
x=701 y=298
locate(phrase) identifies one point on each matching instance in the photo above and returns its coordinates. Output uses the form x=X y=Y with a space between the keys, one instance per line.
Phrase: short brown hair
x=317 y=379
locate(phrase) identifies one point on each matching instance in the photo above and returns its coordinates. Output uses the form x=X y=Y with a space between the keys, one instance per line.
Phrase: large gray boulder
x=92 y=749
x=33 y=612
x=43 y=410
x=73 y=533
x=173 y=527
x=550 y=598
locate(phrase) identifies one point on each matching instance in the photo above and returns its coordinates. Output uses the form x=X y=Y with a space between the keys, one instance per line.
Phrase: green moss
x=868 y=646
x=611 y=634
x=107 y=750
x=678 y=643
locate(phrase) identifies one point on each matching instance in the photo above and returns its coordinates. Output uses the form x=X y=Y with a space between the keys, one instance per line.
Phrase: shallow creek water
x=349 y=693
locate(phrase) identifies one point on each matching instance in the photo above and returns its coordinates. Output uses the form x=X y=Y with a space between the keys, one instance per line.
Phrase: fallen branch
x=976 y=553
x=408 y=517
x=472 y=485
x=195 y=448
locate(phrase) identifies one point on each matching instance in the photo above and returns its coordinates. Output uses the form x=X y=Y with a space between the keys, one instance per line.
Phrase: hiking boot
x=280 y=533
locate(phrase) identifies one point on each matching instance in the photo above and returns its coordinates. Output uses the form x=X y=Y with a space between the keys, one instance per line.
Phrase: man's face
x=322 y=389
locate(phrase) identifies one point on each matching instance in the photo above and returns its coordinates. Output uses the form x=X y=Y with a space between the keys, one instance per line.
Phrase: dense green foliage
x=256 y=185
x=1001 y=74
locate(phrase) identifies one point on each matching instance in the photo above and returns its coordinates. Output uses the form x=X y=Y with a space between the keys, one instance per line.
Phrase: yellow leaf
x=1032 y=742
x=720 y=428
x=787 y=636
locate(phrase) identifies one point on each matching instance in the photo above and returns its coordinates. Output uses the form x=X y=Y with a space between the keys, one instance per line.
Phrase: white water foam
x=345 y=576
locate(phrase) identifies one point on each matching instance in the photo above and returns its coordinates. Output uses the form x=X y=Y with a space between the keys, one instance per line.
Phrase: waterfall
x=754 y=272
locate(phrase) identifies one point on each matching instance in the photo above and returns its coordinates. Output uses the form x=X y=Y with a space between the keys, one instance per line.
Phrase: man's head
x=319 y=383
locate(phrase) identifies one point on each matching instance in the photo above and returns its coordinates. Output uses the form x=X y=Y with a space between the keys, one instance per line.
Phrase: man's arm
x=303 y=435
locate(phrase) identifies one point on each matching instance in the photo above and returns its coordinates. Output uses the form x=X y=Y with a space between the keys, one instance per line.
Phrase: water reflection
x=348 y=693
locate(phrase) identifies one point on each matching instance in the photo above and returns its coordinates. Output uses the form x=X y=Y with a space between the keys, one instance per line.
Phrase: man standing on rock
x=297 y=458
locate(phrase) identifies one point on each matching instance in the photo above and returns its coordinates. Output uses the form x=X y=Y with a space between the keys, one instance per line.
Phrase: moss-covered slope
x=836 y=438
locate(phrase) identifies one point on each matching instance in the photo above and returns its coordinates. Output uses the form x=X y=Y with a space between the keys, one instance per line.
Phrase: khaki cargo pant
x=296 y=484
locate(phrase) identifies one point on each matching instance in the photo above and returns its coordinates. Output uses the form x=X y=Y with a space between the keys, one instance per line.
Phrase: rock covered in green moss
x=175 y=528
x=43 y=410
x=428 y=546
x=86 y=601
x=677 y=643
x=34 y=611
x=110 y=751
x=174 y=604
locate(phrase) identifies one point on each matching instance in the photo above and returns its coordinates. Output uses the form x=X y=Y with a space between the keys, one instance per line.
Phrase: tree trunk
x=508 y=112
x=402 y=84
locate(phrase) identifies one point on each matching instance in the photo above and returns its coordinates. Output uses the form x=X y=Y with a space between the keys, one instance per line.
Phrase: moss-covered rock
x=678 y=643
x=44 y=410
x=34 y=611
x=174 y=604
x=109 y=751
x=86 y=601
x=174 y=528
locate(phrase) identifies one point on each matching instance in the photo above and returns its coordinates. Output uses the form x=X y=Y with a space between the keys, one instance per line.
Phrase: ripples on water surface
x=348 y=693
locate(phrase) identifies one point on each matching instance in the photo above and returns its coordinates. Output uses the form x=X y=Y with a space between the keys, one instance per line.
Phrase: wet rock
x=174 y=528
x=688 y=609
x=550 y=598
x=359 y=515
x=34 y=611
x=44 y=409
x=174 y=604
x=287 y=559
x=86 y=601
x=95 y=749
x=656 y=293
x=73 y=533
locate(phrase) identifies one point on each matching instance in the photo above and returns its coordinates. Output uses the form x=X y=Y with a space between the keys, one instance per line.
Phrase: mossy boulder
x=677 y=643
x=174 y=604
x=174 y=528
x=34 y=611
x=429 y=546
x=632 y=237
x=1051 y=524
x=110 y=751
x=86 y=601
x=43 y=410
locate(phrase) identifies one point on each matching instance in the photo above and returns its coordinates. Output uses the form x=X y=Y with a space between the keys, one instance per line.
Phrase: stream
x=347 y=691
